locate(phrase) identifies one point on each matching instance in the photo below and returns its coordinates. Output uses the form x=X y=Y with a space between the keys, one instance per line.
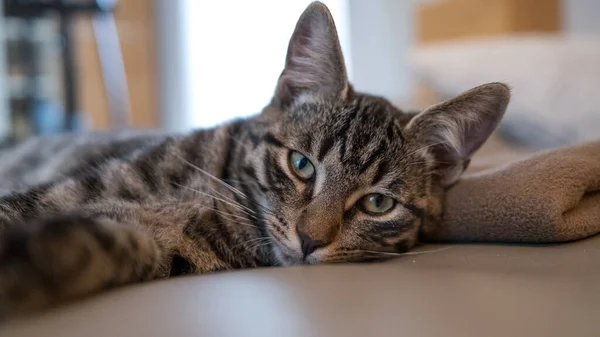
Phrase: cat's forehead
x=365 y=106
x=357 y=128
x=361 y=141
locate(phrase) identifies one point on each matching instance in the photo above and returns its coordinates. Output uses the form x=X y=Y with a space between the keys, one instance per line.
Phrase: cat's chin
x=287 y=260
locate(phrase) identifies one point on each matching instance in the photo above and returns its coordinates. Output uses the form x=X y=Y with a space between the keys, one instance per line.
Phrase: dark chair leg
x=69 y=72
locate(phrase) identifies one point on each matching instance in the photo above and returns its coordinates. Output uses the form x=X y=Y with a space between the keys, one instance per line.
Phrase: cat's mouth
x=289 y=257
x=285 y=251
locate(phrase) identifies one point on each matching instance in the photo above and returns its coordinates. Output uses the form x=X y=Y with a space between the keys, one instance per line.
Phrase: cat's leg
x=45 y=260
x=48 y=262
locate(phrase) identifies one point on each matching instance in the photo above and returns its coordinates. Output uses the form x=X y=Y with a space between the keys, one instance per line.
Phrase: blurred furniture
x=446 y=20
x=69 y=63
x=134 y=22
x=29 y=55
x=30 y=71
x=554 y=72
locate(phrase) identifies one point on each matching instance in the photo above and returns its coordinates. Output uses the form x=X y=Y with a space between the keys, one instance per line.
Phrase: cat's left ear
x=314 y=64
x=453 y=130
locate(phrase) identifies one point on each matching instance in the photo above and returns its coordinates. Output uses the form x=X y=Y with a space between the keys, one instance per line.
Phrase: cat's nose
x=309 y=245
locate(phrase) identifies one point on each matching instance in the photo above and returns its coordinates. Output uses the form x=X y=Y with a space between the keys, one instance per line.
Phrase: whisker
x=225 y=214
x=237 y=181
x=231 y=200
x=253 y=240
x=219 y=211
x=245 y=223
x=261 y=244
x=236 y=140
x=242 y=217
x=242 y=208
x=223 y=183
x=220 y=181
x=264 y=208
x=228 y=186
x=407 y=253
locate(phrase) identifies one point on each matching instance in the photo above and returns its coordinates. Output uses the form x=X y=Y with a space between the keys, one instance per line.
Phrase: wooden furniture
x=134 y=21
x=72 y=65
x=456 y=19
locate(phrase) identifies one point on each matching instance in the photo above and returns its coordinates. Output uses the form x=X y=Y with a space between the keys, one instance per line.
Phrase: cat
x=324 y=174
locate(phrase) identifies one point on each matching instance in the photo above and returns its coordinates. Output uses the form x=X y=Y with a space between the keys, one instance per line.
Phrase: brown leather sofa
x=462 y=290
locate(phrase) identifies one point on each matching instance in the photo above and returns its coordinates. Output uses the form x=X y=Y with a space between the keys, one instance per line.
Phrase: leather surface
x=464 y=290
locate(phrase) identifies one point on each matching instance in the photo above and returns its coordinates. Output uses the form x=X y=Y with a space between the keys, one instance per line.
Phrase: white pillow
x=555 y=82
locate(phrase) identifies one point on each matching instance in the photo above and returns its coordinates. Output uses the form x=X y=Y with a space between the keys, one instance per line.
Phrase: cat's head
x=347 y=176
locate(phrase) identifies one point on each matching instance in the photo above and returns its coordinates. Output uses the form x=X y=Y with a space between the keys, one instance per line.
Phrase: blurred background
x=180 y=64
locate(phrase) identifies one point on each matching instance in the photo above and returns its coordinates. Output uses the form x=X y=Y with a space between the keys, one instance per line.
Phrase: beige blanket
x=552 y=196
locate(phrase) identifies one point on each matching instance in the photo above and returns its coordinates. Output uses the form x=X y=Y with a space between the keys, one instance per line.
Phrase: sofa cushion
x=463 y=290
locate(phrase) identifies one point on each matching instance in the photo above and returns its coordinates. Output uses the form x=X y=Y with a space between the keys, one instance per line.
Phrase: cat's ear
x=314 y=64
x=453 y=130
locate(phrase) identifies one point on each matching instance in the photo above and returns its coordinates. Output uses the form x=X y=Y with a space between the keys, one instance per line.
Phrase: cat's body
x=40 y=160
x=324 y=174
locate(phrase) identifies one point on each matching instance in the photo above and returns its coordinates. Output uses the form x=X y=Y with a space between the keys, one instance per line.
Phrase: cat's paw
x=47 y=262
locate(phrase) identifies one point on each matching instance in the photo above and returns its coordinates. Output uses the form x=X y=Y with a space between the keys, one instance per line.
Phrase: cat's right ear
x=314 y=64
x=453 y=130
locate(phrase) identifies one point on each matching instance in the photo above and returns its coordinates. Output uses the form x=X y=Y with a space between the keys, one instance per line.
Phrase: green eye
x=376 y=204
x=301 y=166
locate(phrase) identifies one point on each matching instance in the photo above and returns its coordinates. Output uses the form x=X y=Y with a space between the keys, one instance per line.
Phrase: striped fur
x=82 y=214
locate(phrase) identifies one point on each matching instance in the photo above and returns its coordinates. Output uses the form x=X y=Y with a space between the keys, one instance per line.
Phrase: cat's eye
x=301 y=166
x=376 y=204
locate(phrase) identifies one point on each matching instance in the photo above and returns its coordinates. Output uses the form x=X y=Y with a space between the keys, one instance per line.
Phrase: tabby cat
x=323 y=174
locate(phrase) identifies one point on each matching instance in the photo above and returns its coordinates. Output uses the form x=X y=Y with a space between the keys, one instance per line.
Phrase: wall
x=220 y=60
x=233 y=54
x=381 y=36
x=172 y=57
x=4 y=106
x=581 y=17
